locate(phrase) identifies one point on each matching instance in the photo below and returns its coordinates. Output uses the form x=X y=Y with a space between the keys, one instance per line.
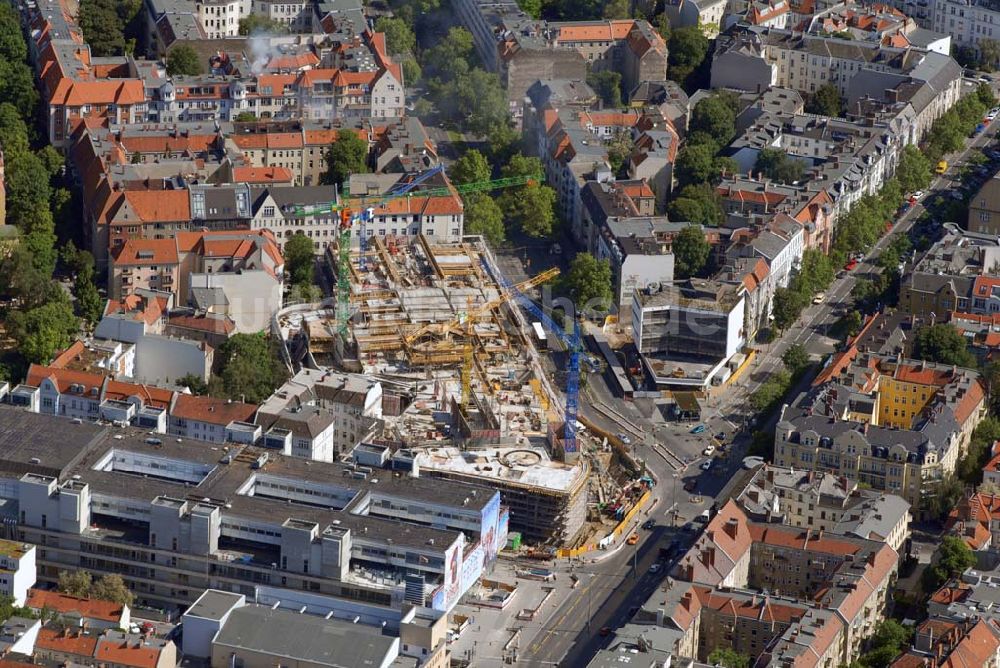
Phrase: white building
x=320 y=414
x=206 y=418
x=17 y=570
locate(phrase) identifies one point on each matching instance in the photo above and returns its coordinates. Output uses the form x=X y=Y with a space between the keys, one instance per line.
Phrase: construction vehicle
x=349 y=218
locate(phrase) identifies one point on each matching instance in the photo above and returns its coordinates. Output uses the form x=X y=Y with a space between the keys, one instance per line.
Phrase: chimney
x=732 y=527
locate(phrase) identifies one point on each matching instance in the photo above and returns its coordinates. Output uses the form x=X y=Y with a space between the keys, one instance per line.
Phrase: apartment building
x=639 y=252
x=17 y=570
x=954 y=275
x=776 y=593
x=239 y=275
x=967 y=21
x=916 y=86
x=687 y=332
x=895 y=424
x=825 y=502
x=324 y=414
x=174 y=518
x=87 y=612
x=285 y=211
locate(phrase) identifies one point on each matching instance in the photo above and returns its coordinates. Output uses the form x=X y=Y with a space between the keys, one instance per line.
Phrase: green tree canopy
x=89 y=304
x=775 y=164
x=695 y=165
x=697 y=204
x=914 y=171
x=472 y=166
x=687 y=49
x=183 y=59
x=300 y=259
x=608 y=86
x=826 y=101
x=943 y=343
x=399 y=37
x=81 y=584
x=952 y=557
x=103 y=28
x=691 y=251
x=348 y=155
x=250 y=369
x=12 y=46
x=483 y=216
x=43 y=330
x=258 y=24
x=728 y=658
x=795 y=358
x=588 y=280
x=716 y=117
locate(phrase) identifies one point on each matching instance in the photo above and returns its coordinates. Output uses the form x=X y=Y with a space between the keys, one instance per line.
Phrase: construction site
x=439 y=326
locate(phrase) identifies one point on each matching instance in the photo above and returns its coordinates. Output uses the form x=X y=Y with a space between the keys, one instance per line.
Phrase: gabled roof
x=88 y=608
x=146 y=252
x=212 y=410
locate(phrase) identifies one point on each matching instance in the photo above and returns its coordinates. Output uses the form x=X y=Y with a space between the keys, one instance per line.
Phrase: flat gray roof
x=213 y=604
x=301 y=637
x=43 y=444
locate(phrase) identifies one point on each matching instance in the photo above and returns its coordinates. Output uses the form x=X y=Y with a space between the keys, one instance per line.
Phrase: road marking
x=548 y=634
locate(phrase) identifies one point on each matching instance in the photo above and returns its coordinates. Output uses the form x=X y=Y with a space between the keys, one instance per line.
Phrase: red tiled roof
x=123 y=653
x=212 y=410
x=90 y=608
x=64 y=378
x=146 y=252
x=76 y=643
x=597 y=32
x=203 y=324
x=262 y=175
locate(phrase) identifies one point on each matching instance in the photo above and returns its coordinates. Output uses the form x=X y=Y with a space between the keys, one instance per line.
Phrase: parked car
x=707 y=464
x=820 y=298
x=721 y=436
x=633 y=539
x=690 y=485
x=649 y=525
x=851 y=264
x=654 y=567
x=698 y=429
x=624 y=438
x=709 y=451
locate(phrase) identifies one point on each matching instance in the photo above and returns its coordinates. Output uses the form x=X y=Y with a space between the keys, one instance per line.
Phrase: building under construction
x=547 y=499
x=430 y=318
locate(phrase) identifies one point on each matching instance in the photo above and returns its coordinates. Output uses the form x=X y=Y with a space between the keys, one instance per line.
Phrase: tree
x=299 y=259
x=12 y=46
x=947 y=493
x=481 y=101
x=470 y=167
x=953 y=558
x=399 y=37
x=716 y=117
x=970 y=468
x=697 y=204
x=795 y=358
x=17 y=86
x=43 y=330
x=787 y=304
x=347 y=155
x=246 y=117
x=608 y=86
x=943 y=343
x=771 y=391
x=691 y=250
x=196 y=384
x=112 y=588
x=249 y=369
x=258 y=24
x=452 y=56
x=89 y=304
x=27 y=183
x=532 y=208
x=695 y=164
x=989 y=52
x=183 y=59
x=728 y=658
x=483 y=216
x=662 y=25
x=589 y=280
x=616 y=9
x=103 y=28
x=619 y=149
x=75 y=583
x=775 y=164
x=914 y=171
x=826 y=101
x=51 y=159
x=532 y=8
x=687 y=49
